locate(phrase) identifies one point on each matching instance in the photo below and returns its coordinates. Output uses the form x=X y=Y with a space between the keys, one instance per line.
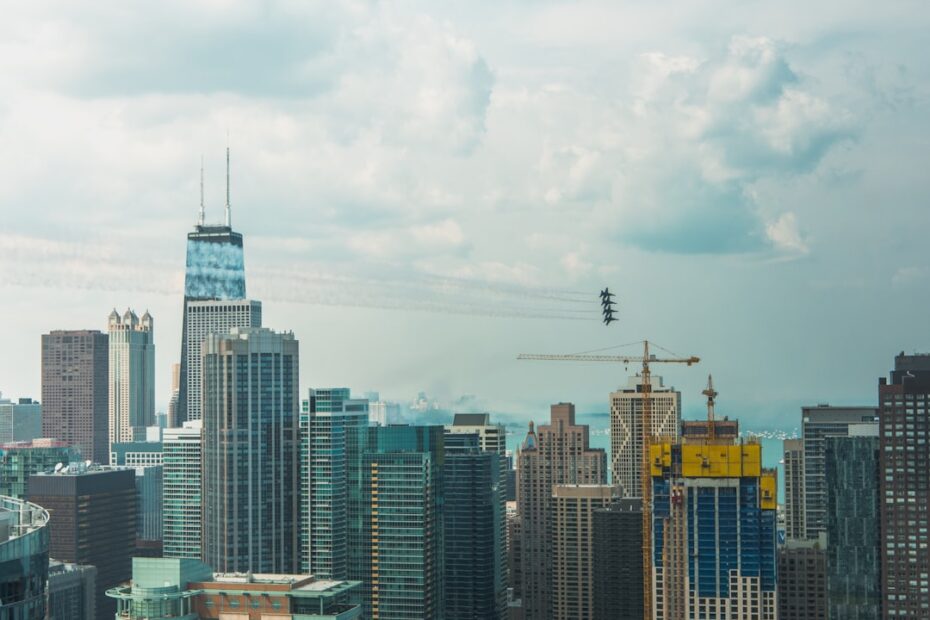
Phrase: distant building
x=187 y=589
x=381 y=412
x=137 y=453
x=626 y=429
x=794 y=489
x=474 y=515
x=24 y=544
x=491 y=437
x=182 y=532
x=802 y=580
x=131 y=375
x=618 y=560
x=817 y=423
x=93 y=522
x=558 y=453
x=853 y=528
x=71 y=591
x=172 y=413
x=75 y=388
x=251 y=451
x=333 y=432
x=697 y=430
x=20 y=420
x=19 y=461
x=573 y=567
x=904 y=476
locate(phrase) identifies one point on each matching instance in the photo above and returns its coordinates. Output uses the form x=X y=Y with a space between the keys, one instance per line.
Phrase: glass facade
x=181 y=492
x=19 y=462
x=24 y=540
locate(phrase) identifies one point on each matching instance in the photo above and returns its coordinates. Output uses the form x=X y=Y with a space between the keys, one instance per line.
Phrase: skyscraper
x=201 y=319
x=214 y=270
x=904 y=474
x=618 y=560
x=20 y=421
x=250 y=451
x=20 y=461
x=802 y=580
x=131 y=375
x=172 y=412
x=573 y=567
x=24 y=546
x=491 y=437
x=75 y=391
x=71 y=590
x=333 y=433
x=474 y=515
x=817 y=423
x=181 y=491
x=626 y=429
x=558 y=453
x=853 y=531
x=794 y=489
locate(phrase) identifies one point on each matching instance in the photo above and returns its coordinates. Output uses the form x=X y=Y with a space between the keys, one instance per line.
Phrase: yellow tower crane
x=648 y=438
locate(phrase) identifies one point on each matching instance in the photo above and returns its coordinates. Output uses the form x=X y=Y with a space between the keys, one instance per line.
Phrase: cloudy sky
x=428 y=189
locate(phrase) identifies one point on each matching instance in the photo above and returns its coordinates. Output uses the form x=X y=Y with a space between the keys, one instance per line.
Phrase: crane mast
x=647 y=438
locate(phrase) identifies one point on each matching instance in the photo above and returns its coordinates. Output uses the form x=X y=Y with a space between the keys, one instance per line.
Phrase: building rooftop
x=471 y=419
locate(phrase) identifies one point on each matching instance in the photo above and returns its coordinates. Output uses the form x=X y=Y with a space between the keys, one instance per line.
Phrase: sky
x=428 y=189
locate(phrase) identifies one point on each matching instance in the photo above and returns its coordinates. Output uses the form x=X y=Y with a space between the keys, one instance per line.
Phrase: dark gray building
x=250 y=452
x=71 y=591
x=75 y=390
x=853 y=537
x=93 y=521
x=618 y=560
x=802 y=581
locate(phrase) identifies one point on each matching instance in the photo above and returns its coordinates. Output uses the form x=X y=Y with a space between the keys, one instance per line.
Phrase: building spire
x=228 y=214
x=201 y=218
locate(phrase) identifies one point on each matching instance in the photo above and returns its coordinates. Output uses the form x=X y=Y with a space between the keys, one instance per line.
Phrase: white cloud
x=785 y=235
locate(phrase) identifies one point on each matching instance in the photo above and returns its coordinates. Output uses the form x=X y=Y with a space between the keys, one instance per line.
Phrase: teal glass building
x=24 y=541
x=21 y=460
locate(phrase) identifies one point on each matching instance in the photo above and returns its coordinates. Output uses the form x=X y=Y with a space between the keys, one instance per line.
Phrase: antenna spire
x=228 y=214
x=201 y=218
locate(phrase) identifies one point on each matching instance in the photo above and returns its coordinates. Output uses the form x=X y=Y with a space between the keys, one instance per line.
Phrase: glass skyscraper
x=181 y=491
x=24 y=543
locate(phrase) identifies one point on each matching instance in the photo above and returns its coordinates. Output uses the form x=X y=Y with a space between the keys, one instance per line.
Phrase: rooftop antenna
x=201 y=218
x=228 y=215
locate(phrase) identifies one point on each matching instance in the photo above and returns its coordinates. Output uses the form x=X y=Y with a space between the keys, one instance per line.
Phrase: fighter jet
x=607 y=305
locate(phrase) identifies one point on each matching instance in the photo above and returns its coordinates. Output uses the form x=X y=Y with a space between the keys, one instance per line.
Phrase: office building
x=713 y=531
x=137 y=453
x=514 y=564
x=75 y=367
x=852 y=523
x=817 y=423
x=381 y=412
x=250 y=451
x=573 y=567
x=149 y=510
x=333 y=433
x=201 y=319
x=19 y=461
x=93 y=521
x=491 y=437
x=475 y=521
x=131 y=375
x=556 y=453
x=794 y=489
x=214 y=271
x=24 y=545
x=20 y=420
x=187 y=589
x=71 y=591
x=182 y=529
x=172 y=413
x=618 y=560
x=626 y=429
x=802 y=580
x=904 y=475
x=402 y=571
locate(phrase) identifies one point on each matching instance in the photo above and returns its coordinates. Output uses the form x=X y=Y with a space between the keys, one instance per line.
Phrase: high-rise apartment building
x=853 y=533
x=817 y=423
x=475 y=520
x=573 y=567
x=618 y=560
x=904 y=475
x=24 y=544
x=626 y=428
x=20 y=420
x=75 y=390
x=214 y=271
x=802 y=580
x=201 y=319
x=402 y=571
x=182 y=456
x=21 y=460
x=794 y=489
x=131 y=375
x=250 y=451
x=333 y=433
x=93 y=521
x=713 y=532
x=491 y=437
x=556 y=453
